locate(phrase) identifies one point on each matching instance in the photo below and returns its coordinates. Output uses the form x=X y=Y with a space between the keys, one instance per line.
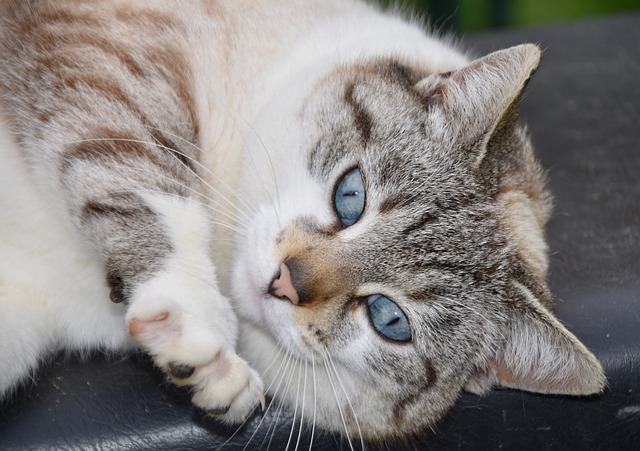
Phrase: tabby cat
x=260 y=192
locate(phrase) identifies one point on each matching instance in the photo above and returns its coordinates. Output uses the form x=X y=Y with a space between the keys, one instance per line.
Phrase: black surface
x=583 y=109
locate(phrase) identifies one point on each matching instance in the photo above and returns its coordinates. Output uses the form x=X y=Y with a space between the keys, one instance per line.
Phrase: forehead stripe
x=362 y=119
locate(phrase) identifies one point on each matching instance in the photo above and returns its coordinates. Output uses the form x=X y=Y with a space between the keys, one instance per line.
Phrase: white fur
x=53 y=285
x=52 y=288
x=273 y=176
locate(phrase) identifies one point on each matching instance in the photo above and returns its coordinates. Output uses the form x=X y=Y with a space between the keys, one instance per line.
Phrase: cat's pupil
x=393 y=321
x=349 y=199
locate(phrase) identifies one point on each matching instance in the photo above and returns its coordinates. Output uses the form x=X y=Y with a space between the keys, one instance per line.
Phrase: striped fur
x=173 y=156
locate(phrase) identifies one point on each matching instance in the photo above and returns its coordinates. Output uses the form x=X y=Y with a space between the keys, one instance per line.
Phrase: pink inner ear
x=505 y=375
x=497 y=373
x=529 y=382
x=559 y=380
x=533 y=382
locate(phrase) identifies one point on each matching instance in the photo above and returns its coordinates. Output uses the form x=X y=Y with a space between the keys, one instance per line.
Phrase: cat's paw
x=229 y=388
x=192 y=342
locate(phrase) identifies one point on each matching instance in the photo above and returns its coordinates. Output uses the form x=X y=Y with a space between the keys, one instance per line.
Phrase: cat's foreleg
x=189 y=327
x=155 y=240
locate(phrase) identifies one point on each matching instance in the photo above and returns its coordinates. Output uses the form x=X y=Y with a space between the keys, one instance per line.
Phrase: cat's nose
x=282 y=286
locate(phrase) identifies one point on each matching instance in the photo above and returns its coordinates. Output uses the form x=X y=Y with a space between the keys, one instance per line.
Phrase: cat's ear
x=472 y=104
x=538 y=354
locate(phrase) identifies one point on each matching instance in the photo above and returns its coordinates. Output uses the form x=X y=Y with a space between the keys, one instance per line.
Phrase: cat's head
x=396 y=256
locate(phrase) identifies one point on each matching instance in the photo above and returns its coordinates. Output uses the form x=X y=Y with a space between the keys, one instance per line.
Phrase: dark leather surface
x=583 y=108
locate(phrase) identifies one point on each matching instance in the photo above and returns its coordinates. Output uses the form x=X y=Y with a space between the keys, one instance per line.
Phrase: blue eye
x=350 y=196
x=388 y=319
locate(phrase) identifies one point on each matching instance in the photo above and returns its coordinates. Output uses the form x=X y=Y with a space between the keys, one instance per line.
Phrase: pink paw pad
x=138 y=326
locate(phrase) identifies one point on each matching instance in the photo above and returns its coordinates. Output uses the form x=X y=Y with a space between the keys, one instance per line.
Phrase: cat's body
x=173 y=155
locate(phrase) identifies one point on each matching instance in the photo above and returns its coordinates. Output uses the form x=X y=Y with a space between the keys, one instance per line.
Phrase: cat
x=257 y=193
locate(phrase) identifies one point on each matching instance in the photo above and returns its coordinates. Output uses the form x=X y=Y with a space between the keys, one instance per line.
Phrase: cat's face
x=393 y=261
x=420 y=241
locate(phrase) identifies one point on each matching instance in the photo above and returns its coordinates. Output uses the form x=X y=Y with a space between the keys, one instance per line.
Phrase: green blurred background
x=475 y=15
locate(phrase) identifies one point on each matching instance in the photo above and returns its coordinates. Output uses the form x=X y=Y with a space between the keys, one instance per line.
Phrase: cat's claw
x=218 y=412
x=229 y=389
x=180 y=371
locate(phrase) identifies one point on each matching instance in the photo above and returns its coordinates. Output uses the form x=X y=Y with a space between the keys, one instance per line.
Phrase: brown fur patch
x=319 y=275
x=146 y=17
x=173 y=64
x=110 y=145
x=125 y=205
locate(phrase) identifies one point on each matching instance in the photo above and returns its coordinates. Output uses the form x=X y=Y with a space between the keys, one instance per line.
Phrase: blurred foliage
x=474 y=15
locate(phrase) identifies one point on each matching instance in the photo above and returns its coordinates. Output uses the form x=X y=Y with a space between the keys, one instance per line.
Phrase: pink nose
x=282 y=286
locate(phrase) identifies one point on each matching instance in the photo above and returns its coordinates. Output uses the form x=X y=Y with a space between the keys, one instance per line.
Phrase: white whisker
x=284 y=365
x=336 y=397
x=200 y=150
x=274 y=360
x=304 y=398
x=230 y=189
x=280 y=349
x=346 y=395
x=209 y=207
x=217 y=208
x=257 y=173
x=315 y=403
x=149 y=143
x=281 y=405
x=295 y=409
x=469 y=308
x=209 y=221
x=273 y=172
